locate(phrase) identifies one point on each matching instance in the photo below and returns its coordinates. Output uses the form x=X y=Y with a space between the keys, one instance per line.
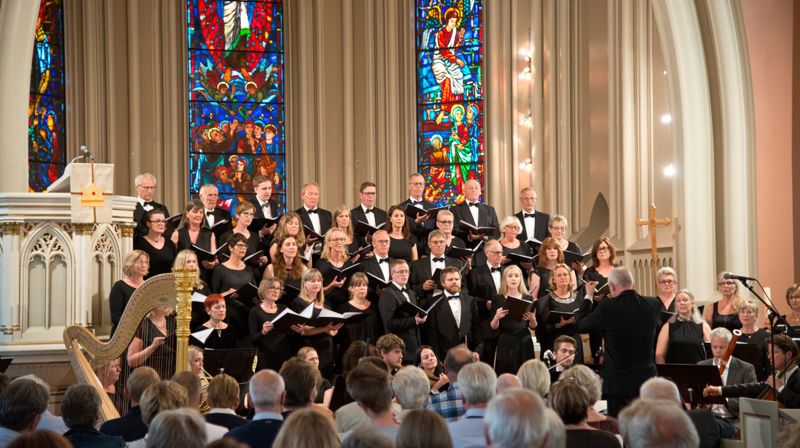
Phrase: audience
x=534 y=375
x=478 y=384
x=80 y=410
x=571 y=402
x=267 y=394
x=162 y=396
x=448 y=403
x=516 y=418
x=422 y=427
x=191 y=382
x=392 y=349
x=656 y=423
x=131 y=427
x=508 y=381
x=556 y=433
x=41 y=438
x=173 y=428
x=21 y=406
x=48 y=420
x=411 y=389
x=371 y=388
x=588 y=379
x=301 y=380
x=223 y=398
x=367 y=438
x=307 y=428
x=351 y=416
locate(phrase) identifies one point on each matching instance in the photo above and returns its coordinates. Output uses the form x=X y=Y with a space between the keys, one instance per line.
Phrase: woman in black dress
x=321 y=338
x=752 y=334
x=667 y=287
x=226 y=279
x=558 y=230
x=134 y=268
x=563 y=298
x=341 y=221
x=191 y=232
x=334 y=256
x=725 y=311
x=187 y=259
x=289 y=225
x=402 y=244
x=681 y=340
x=223 y=335
x=550 y=255
x=287 y=266
x=603 y=261
x=244 y=213
x=154 y=343
x=273 y=346
x=509 y=229
x=514 y=343
x=369 y=329
x=793 y=316
x=161 y=250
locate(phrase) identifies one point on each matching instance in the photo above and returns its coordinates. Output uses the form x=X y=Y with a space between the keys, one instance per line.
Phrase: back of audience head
x=534 y=375
x=411 y=387
x=22 y=404
x=376 y=361
x=556 y=432
x=586 y=378
x=162 y=396
x=40 y=438
x=422 y=427
x=223 y=392
x=659 y=388
x=226 y=442
x=300 y=380
x=507 y=381
x=193 y=387
x=366 y=437
x=307 y=428
x=371 y=387
x=5 y=380
x=356 y=351
x=457 y=357
x=138 y=381
x=80 y=406
x=516 y=418
x=477 y=383
x=571 y=401
x=183 y=428
x=656 y=423
x=267 y=391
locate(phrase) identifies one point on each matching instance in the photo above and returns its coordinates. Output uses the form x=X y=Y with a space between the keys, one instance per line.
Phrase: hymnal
x=516 y=308
x=488 y=231
x=204 y=255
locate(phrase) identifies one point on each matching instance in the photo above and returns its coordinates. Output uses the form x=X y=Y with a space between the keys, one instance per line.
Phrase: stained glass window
x=46 y=111
x=236 y=110
x=450 y=137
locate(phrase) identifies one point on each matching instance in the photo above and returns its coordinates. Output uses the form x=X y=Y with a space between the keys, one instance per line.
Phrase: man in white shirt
x=216 y=218
x=736 y=370
x=534 y=223
x=366 y=211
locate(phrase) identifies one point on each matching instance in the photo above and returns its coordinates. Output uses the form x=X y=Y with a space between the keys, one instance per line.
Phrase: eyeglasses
x=726 y=283
x=380 y=241
x=248 y=214
x=400 y=271
x=338 y=240
x=444 y=222
x=369 y=193
x=561 y=228
x=496 y=252
x=602 y=249
x=240 y=245
x=275 y=287
x=666 y=282
x=145 y=188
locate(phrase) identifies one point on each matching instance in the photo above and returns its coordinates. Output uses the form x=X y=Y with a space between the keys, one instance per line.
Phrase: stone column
x=9 y=279
x=82 y=245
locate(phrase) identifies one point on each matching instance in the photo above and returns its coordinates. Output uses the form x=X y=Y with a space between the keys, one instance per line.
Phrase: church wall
x=796 y=142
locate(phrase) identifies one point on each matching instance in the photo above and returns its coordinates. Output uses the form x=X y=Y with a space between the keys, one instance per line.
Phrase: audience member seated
x=131 y=427
x=367 y=438
x=352 y=416
x=370 y=386
x=177 y=428
x=161 y=396
x=223 y=398
x=308 y=428
x=300 y=380
x=655 y=423
x=267 y=393
x=80 y=410
x=507 y=381
x=411 y=389
x=324 y=388
x=41 y=438
x=516 y=418
x=534 y=376
x=49 y=420
x=571 y=401
x=355 y=351
x=434 y=369
x=191 y=382
x=21 y=406
x=584 y=376
x=556 y=433
x=448 y=404
x=478 y=383
x=422 y=427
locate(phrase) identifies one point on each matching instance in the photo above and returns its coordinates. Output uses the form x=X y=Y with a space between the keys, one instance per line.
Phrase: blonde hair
x=162 y=396
x=586 y=378
x=326 y=248
x=310 y=275
x=130 y=260
x=347 y=230
x=535 y=376
x=552 y=283
x=504 y=285
x=295 y=430
x=737 y=299
x=180 y=263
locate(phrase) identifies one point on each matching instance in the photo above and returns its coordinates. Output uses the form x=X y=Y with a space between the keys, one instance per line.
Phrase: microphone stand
x=775 y=318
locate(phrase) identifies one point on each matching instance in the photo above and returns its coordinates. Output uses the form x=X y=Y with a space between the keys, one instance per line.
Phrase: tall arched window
x=46 y=111
x=450 y=140
x=236 y=110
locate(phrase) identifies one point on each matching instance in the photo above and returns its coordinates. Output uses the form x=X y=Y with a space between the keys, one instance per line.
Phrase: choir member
x=434 y=369
x=422 y=222
x=445 y=221
x=341 y=221
x=681 y=340
x=191 y=232
x=154 y=343
x=273 y=346
x=369 y=329
x=311 y=215
x=265 y=206
x=563 y=298
x=534 y=222
x=724 y=312
x=514 y=342
x=603 y=261
x=403 y=245
x=456 y=321
x=334 y=256
x=422 y=270
x=378 y=264
x=667 y=285
x=484 y=283
x=509 y=231
x=290 y=224
x=558 y=230
x=366 y=211
x=244 y=212
x=396 y=319
x=135 y=267
x=160 y=249
x=550 y=255
x=793 y=318
x=223 y=336
x=474 y=213
x=287 y=266
x=145 y=190
x=215 y=218
x=321 y=338
x=187 y=259
x=753 y=334
x=227 y=278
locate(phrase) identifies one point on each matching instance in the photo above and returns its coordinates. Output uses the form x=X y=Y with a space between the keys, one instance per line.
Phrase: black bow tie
x=383 y=260
x=369 y=210
x=313 y=210
x=473 y=204
x=415 y=202
x=497 y=269
x=404 y=290
x=453 y=297
x=150 y=203
x=438 y=259
x=528 y=215
x=209 y=213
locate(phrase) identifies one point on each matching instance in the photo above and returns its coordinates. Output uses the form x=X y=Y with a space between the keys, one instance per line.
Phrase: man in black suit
x=783 y=355
x=456 y=321
x=223 y=399
x=484 y=283
x=396 y=319
x=628 y=324
x=216 y=218
x=311 y=215
x=736 y=372
x=130 y=427
x=378 y=264
x=145 y=190
x=534 y=223
x=473 y=212
x=422 y=270
x=423 y=222
x=267 y=394
x=366 y=210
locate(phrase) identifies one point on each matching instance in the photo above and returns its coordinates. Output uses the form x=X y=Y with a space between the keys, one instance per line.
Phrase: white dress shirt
x=370 y=216
x=455 y=307
x=473 y=211
x=530 y=224
x=314 y=217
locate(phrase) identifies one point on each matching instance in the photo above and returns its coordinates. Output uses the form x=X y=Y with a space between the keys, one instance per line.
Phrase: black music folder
x=516 y=308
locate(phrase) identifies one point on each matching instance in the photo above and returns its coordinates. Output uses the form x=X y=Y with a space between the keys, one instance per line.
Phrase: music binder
x=198 y=297
x=376 y=281
x=247 y=293
x=575 y=257
x=287 y=318
x=361 y=252
x=204 y=255
x=327 y=317
x=365 y=228
x=345 y=271
x=415 y=309
x=259 y=223
x=534 y=244
x=216 y=224
x=236 y=362
x=520 y=258
x=312 y=234
x=554 y=317
x=202 y=335
x=488 y=231
x=516 y=308
x=463 y=252
x=412 y=211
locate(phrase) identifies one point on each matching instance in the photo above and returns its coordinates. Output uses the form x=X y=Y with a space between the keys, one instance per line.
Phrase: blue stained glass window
x=47 y=111
x=450 y=136
x=236 y=108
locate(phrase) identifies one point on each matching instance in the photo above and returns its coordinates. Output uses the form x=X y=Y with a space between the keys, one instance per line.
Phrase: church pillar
x=82 y=247
x=17 y=26
x=9 y=278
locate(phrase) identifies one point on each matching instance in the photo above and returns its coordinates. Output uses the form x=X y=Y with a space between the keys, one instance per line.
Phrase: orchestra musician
x=681 y=340
x=736 y=371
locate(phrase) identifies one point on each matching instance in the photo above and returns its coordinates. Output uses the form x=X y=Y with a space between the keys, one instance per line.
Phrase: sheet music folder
x=236 y=362
x=691 y=379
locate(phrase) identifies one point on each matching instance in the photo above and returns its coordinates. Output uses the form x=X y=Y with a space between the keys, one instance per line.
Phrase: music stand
x=691 y=379
x=236 y=362
x=4 y=363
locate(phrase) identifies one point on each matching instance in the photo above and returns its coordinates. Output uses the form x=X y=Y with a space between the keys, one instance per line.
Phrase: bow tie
x=453 y=297
x=473 y=204
x=313 y=210
x=404 y=290
x=528 y=215
x=149 y=203
x=209 y=213
x=415 y=202
x=369 y=210
x=438 y=259
x=383 y=260
x=497 y=269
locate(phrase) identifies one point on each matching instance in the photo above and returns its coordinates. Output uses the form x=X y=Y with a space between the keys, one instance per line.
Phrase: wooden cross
x=652 y=222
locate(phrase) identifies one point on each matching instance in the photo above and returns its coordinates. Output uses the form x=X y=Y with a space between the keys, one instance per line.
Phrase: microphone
x=741 y=278
x=84 y=152
x=549 y=355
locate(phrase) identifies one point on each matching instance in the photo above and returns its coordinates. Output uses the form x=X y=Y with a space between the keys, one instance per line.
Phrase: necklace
x=557 y=298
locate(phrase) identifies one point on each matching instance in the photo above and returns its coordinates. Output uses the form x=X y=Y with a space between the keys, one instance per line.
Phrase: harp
x=83 y=348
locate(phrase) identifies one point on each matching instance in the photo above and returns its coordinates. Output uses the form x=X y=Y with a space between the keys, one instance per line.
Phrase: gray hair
x=621 y=277
x=138 y=179
x=557 y=218
x=509 y=221
x=436 y=233
x=266 y=389
x=366 y=437
x=649 y=423
x=721 y=332
x=477 y=382
x=696 y=317
x=586 y=378
x=516 y=418
x=535 y=376
x=181 y=427
x=81 y=406
x=658 y=388
x=411 y=387
x=21 y=402
x=666 y=270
